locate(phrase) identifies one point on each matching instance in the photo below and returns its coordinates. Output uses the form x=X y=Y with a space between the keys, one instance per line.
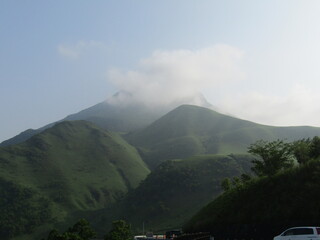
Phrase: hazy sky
x=258 y=60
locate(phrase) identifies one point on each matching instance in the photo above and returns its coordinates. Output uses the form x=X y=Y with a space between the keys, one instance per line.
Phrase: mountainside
x=120 y=113
x=175 y=191
x=76 y=165
x=264 y=207
x=192 y=130
x=75 y=168
x=107 y=116
x=24 y=136
x=118 y=118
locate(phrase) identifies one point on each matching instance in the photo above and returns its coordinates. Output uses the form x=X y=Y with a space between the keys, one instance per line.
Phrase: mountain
x=120 y=113
x=263 y=208
x=77 y=169
x=76 y=165
x=174 y=191
x=192 y=130
x=24 y=136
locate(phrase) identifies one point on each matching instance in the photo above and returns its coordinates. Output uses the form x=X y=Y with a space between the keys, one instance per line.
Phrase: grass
x=76 y=165
x=191 y=130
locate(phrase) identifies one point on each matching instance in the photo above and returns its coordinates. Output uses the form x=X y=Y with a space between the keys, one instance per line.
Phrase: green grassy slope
x=265 y=207
x=176 y=190
x=77 y=165
x=107 y=116
x=191 y=130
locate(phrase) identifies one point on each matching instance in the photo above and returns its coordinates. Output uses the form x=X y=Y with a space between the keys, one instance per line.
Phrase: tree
x=81 y=230
x=226 y=184
x=315 y=147
x=245 y=178
x=120 y=231
x=272 y=157
x=236 y=182
x=306 y=149
x=68 y=236
x=53 y=234
x=301 y=150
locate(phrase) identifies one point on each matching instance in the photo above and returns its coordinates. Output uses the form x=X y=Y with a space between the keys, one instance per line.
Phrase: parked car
x=300 y=233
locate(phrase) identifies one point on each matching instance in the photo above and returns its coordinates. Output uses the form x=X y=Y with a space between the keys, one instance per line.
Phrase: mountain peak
x=122 y=112
x=123 y=98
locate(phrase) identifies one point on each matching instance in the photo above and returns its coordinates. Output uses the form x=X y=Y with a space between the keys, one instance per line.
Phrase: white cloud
x=299 y=106
x=168 y=76
x=75 y=51
x=220 y=72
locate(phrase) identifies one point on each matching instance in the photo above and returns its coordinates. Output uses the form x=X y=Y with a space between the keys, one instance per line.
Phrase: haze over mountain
x=122 y=112
x=242 y=58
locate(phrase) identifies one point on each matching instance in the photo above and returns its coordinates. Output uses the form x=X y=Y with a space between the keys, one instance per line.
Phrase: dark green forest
x=22 y=209
x=284 y=192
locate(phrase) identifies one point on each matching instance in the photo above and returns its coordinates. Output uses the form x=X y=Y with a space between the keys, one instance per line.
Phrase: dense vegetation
x=81 y=230
x=261 y=207
x=22 y=209
x=120 y=231
x=174 y=191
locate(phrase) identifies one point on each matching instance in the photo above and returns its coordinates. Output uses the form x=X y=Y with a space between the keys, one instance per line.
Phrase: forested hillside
x=262 y=207
x=174 y=191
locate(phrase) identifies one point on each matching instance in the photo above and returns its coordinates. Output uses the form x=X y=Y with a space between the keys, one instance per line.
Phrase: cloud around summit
x=227 y=81
x=296 y=107
x=168 y=76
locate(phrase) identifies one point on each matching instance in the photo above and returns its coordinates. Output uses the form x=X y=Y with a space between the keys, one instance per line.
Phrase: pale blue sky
x=56 y=56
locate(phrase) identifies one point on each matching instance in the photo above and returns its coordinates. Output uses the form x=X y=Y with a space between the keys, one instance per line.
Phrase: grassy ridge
x=72 y=157
x=76 y=165
x=191 y=130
